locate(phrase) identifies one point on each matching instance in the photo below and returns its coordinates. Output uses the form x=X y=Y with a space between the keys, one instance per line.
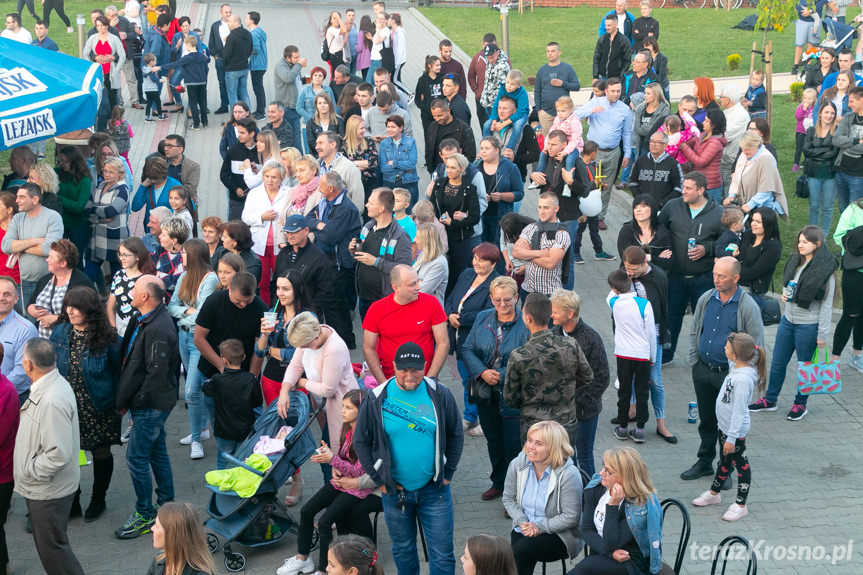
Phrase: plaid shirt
x=536 y=278
x=107 y=211
x=168 y=269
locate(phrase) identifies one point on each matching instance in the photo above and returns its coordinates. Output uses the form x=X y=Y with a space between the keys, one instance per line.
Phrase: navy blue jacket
x=157 y=45
x=194 y=66
x=343 y=225
x=372 y=445
x=476 y=302
x=101 y=369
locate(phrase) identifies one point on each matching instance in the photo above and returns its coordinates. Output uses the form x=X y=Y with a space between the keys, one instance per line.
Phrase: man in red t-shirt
x=403 y=316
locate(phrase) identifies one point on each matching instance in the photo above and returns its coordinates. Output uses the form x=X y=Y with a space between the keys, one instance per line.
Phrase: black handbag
x=852 y=258
x=771 y=312
x=325 y=50
x=802 y=188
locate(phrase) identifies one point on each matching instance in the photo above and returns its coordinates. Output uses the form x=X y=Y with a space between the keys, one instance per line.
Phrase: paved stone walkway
x=805 y=473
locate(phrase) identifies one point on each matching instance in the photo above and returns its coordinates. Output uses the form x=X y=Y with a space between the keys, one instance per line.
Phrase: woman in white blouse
x=261 y=212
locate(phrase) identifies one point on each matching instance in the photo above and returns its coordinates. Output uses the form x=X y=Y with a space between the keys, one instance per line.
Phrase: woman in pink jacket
x=321 y=366
x=705 y=152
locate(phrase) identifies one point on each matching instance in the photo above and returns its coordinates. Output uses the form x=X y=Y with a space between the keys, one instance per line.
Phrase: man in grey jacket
x=288 y=81
x=849 y=163
x=46 y=457
x=721 y=311
x=30 y=235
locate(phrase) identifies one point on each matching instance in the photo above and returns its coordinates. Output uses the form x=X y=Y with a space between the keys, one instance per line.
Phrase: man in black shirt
x=232 y=313
x=277 y=123
x=231 y=173
x=657 y=173
x=457 y=105
x=446 y=126
x=313 y=264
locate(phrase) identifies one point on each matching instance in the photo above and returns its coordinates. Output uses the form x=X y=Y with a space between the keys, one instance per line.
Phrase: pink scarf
x=301 y=193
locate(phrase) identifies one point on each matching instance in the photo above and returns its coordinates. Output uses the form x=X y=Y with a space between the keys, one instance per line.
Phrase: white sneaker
x=197 y=450
x=857 y=362
x=533 y=186
x=735 y=512
x=707 y=498
x=295 y=566
x=127 y=435
x=205 y=435
x=475 y=431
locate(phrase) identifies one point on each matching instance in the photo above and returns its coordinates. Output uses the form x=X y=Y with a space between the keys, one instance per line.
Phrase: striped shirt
x=537 y=278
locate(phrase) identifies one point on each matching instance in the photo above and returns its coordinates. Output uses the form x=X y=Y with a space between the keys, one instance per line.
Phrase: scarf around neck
x=812 y=284
x=301 y=192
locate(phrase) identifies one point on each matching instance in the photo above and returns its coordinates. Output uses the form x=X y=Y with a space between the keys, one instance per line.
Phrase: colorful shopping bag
x=818 y=377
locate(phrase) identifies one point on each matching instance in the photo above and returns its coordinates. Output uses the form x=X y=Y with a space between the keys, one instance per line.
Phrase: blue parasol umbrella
x=44 y=93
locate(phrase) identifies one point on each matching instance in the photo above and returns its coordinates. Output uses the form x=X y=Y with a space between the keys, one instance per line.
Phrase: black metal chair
x=562 y=567
x=723 y=552
x=683 y=541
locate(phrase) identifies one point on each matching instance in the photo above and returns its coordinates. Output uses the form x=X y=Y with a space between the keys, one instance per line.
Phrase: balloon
x=592 y=204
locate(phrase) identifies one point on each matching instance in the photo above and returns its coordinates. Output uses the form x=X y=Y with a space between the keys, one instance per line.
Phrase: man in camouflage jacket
x=543 y=374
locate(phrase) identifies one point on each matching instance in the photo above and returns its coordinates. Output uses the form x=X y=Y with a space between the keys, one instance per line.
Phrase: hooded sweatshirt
x=732 y=411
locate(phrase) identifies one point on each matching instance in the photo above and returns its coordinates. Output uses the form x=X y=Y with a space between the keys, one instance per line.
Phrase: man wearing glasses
x=182 y=169
x=657 y=173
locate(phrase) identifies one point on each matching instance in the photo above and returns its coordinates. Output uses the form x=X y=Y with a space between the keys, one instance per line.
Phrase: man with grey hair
x=641 y=75
x=327 y=146
x=341 y=77
x=45 y=467
x=336 y=221
x=148 y=390
x=657 y=173
x=736 y=123
x=30 y=235
x=277 y=123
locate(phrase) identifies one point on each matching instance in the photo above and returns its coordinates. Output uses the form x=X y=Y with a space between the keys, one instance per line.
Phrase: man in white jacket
x=46 y=457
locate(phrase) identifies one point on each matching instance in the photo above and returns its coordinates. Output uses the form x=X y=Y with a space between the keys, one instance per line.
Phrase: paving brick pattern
x=804 y=473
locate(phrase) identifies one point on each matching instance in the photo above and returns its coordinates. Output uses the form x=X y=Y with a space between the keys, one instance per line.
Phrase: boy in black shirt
x=236 y=394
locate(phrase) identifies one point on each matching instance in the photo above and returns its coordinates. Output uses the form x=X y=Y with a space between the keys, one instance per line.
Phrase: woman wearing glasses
x=495 y=333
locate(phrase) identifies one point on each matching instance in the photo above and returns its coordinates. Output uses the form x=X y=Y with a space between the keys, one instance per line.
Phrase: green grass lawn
x=696 y=42
x=689 y=52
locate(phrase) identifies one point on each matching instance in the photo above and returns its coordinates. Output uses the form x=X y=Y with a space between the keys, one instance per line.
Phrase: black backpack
x=325 y=50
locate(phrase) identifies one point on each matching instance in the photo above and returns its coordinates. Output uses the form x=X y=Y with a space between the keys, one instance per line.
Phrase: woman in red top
x=106 y=49
x=8 y=208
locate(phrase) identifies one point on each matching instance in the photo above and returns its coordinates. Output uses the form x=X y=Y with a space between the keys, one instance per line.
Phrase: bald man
x=719 y=312
x=148 y=390
x=238 y=49
x=403 y=316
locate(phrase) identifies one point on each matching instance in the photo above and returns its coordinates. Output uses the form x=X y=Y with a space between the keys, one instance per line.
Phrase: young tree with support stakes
x=773 y=15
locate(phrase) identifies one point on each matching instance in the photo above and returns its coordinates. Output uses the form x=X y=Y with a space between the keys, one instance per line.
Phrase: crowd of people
x=327 y=227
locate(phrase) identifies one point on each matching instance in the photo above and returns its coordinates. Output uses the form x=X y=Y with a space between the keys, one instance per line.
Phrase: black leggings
x=20 y=9
x=852 y=313
x=798 y=149
x=59 y=7
x=529 y=551
x=736 y=459
x=338 y=505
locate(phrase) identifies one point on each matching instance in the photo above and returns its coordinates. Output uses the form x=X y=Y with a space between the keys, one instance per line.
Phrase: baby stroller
x=262 y=519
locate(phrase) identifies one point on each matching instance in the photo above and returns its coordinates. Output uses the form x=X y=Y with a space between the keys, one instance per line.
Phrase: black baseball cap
x=410 y=356
x=490 y=49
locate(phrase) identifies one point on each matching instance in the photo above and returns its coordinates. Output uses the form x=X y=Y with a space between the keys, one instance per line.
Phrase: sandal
x=296 y=492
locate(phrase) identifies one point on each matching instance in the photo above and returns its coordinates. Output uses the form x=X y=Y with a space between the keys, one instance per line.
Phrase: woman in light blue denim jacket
x=621 y=520
x=398 y=159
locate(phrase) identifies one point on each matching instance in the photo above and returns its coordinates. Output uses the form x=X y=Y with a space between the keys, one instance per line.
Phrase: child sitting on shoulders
x=568 y=122
x=237 y=394
x=679 y=131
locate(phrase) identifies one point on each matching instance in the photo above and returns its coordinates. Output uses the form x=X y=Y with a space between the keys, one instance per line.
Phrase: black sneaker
x=698 y=470
x=221 y=111
x=637 y=435
x=762 y=405
x=135 y=526
x=797 y=412
x=605 y=256
x=621 y=433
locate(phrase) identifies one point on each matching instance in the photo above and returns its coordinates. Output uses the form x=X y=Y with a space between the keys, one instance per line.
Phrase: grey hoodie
x=732 y=411
x=562 y=501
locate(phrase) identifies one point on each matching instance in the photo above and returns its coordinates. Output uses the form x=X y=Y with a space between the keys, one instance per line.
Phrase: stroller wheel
x=212 y=543
x=235 y=561
x=316 y=538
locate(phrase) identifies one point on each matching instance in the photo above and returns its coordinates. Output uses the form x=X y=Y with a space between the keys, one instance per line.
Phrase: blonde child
x=729 y=242
x=678 y=131
x=570 y=124
x=121 y=132
x=400 y=213
x=803 y=115
x=732 y=415
x=755 y=100
x=178 y=197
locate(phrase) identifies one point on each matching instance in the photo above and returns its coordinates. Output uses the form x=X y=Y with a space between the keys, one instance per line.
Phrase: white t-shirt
x=22 y=35
x=383 y=35
x=132 y=11
x=310 y=363
x=224 y=30
x=599 y=512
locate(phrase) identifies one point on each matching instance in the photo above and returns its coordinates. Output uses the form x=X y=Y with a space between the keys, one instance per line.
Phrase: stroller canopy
x=44 y=93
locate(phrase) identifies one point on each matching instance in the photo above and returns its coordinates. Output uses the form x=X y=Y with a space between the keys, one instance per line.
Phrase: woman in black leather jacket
x=759 y=252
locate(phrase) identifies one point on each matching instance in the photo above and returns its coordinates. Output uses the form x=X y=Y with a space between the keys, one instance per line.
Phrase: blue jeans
x=715 y=194
x=190 y=355
x=225 y=446
x=568 y=162
x=657 y=394
x=175 y=79
x=370 y=74
x=223 y=87
x=790 y=338
x=624 y=172
x=517 y=131
x=470 y=413
x=27 y=289
x=822 y=194
x=293 y=118
x=849 y=189
x=146 y=450
x=584 y=444
x=682 y=291
x=433 y=506
x=235 y=82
